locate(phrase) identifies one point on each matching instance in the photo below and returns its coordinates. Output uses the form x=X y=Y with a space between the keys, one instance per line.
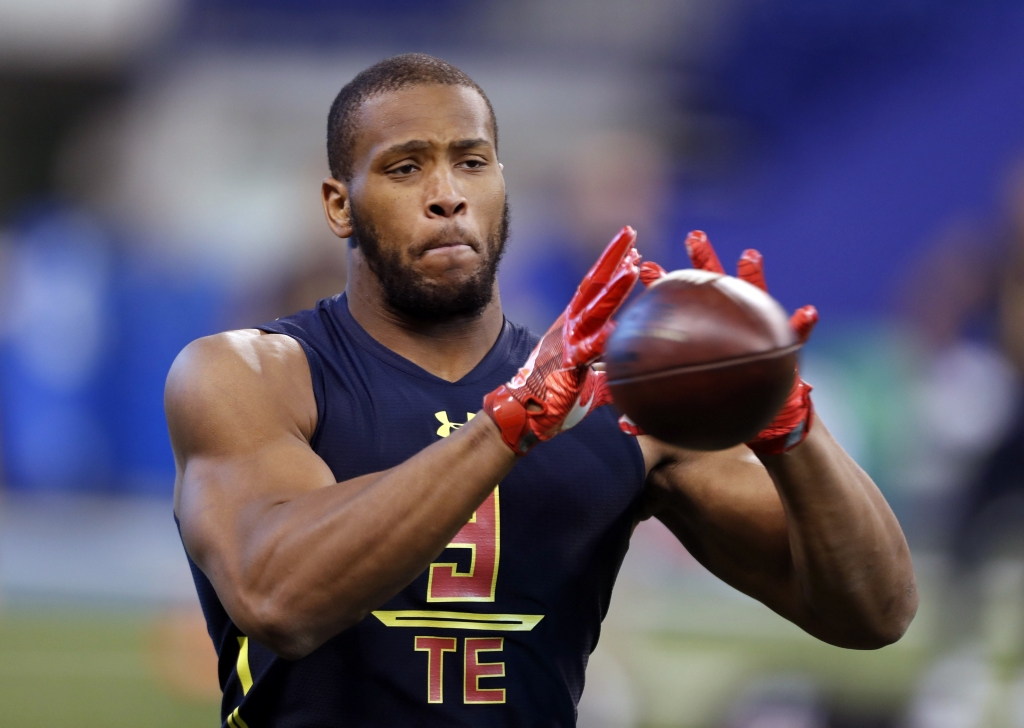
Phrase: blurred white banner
x=56 y=34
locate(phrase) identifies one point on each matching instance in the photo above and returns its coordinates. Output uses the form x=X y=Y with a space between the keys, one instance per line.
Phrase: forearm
x=851 y=563
x=319 y=562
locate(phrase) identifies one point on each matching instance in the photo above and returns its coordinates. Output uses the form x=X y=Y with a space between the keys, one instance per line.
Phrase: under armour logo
x=447 y=426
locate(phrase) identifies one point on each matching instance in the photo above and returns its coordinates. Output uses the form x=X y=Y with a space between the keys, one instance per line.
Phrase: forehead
x=433 y=113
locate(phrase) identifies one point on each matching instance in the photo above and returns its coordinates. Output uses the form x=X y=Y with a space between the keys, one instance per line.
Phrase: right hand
x=557 y=386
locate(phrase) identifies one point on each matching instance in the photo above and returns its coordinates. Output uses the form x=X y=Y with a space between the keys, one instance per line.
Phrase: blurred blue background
x=160 y=164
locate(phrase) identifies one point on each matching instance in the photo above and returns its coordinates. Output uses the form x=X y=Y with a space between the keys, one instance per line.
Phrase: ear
x=337 y=207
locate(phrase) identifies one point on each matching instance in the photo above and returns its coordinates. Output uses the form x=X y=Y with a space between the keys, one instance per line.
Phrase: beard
x=409 y=293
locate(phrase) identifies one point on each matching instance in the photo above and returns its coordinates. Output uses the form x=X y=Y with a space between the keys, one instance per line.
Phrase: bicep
x=228 y=502
x=237 y=428
x=725 y=510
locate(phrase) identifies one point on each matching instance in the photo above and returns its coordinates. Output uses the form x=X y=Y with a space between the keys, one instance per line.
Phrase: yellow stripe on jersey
x=244 y=675
x=459 y=620
x=235 y=720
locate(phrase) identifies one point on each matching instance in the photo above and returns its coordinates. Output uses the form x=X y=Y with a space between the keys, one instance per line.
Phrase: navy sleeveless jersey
x=498 y=630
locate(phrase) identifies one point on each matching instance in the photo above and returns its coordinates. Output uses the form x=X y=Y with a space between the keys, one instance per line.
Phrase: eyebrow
x=470 y=143
x=418 y=145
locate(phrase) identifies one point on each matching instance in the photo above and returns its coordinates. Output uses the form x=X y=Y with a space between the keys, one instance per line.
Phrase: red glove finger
x=603 y=289
x=602 y=272
x=599 y=296
x=596 y=315
x=702 y=255
x=803 y=322
x=650 y=272
x=751 y=269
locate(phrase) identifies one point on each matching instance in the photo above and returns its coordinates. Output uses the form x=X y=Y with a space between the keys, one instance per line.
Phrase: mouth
x=440 y=247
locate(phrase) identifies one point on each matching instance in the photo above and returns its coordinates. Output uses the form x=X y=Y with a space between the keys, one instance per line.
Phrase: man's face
x=427 y=199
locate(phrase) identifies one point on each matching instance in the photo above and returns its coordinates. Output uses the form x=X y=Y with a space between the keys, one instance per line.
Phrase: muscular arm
x=295 y=557
x=807 y=533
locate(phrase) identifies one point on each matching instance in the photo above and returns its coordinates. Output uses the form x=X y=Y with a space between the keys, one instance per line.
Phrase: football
x=702 y=360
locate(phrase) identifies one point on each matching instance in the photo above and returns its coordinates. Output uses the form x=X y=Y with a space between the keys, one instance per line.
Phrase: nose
x=444 y=199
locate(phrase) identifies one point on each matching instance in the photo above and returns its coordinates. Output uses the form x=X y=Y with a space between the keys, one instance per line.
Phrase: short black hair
x=391 y=74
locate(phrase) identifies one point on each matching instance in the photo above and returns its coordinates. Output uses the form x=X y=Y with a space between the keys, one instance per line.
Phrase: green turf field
x=86 y=669
x=687 y=655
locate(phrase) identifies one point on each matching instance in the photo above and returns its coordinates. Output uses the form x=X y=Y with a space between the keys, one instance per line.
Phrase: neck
x=448 y=349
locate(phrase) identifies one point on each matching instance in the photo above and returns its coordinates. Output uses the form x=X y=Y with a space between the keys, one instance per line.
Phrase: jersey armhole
x=638 y=460
x=316 y=375
x=637 y=454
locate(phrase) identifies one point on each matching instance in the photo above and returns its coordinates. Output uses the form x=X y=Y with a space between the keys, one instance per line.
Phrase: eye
x=405 y=169
x=472 y=164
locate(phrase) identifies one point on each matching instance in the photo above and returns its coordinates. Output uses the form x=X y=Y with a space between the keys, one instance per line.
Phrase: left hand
x=793 y=422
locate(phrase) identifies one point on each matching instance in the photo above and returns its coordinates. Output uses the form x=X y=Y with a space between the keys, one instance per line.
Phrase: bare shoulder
x=240 y=381
x=233 y=353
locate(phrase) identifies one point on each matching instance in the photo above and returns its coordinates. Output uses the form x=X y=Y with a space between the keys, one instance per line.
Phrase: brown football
x=702 y=360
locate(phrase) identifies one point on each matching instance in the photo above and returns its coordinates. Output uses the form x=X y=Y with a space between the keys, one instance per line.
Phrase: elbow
x=289 y=632
x=283 y=635
x=888 y=624
x=898 y=615
x=878 y=636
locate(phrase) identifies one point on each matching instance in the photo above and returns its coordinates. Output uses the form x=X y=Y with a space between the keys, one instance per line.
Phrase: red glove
x=793 y=422
x=557 y=387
